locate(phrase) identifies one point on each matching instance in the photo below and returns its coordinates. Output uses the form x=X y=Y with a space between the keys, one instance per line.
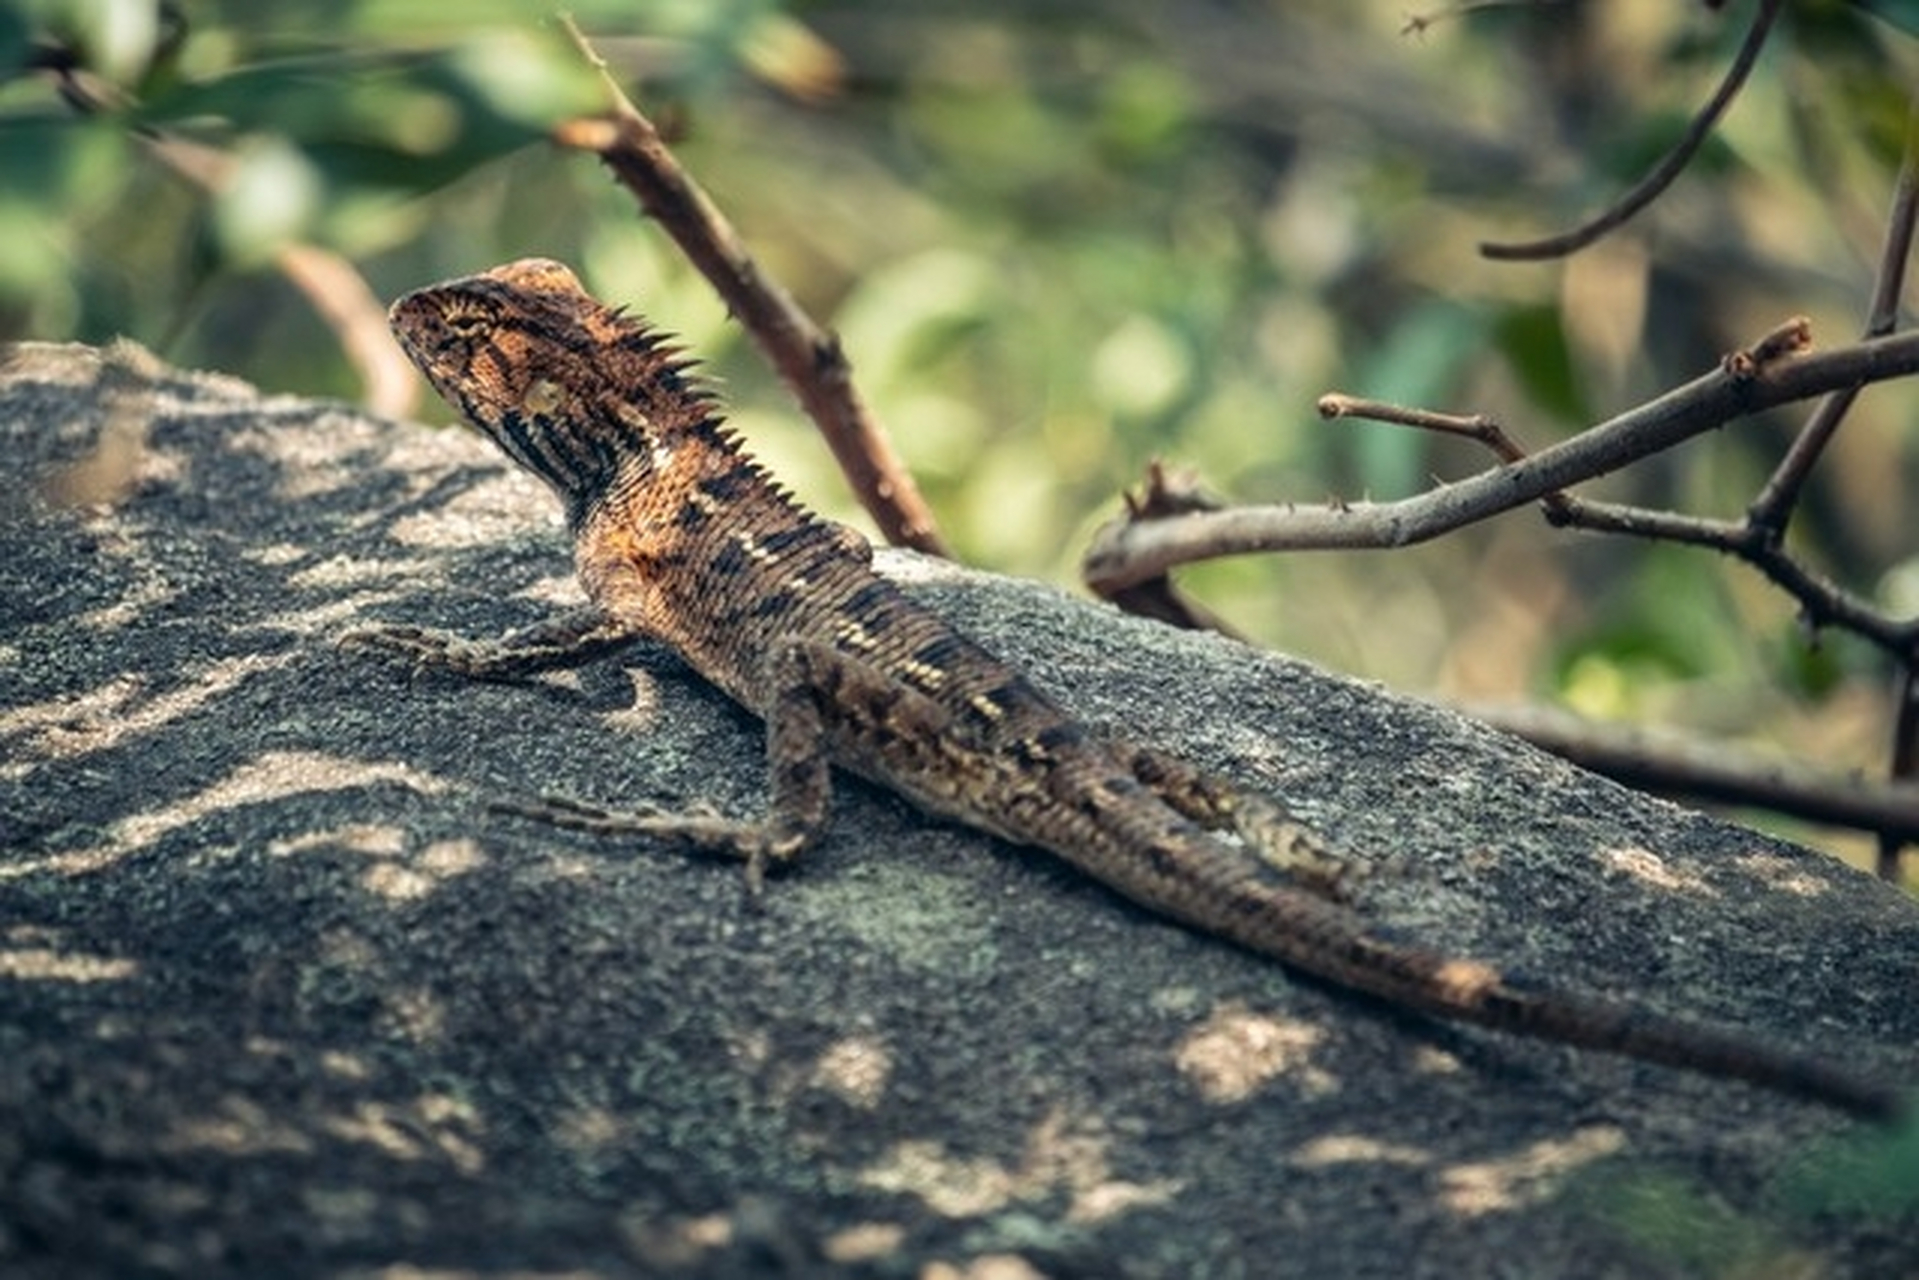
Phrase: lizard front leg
x=569 y=639
x=1266 y=827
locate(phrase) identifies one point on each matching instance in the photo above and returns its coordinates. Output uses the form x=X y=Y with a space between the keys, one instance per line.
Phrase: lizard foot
x=1264 y=826
x=762 y=846
x=419 y=648
x=1282 y=843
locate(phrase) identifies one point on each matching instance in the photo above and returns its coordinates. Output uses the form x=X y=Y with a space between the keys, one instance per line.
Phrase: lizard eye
x=466 y=321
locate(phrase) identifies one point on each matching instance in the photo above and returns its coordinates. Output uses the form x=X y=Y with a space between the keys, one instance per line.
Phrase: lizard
x=680 y=536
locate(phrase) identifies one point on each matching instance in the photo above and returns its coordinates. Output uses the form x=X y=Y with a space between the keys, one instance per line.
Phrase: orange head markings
x=571 y=389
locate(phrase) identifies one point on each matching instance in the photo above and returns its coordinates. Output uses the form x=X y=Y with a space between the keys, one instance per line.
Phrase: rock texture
x=278 y=994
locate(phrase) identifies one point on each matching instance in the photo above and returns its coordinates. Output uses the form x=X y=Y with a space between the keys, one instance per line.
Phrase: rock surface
x=280 y=996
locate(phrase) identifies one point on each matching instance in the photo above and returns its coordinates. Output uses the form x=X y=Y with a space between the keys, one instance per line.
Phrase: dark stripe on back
x=732 y=484
x=941 y=651
x=730 y=560
x=773 y=602
x=1059 y=736
x=790 y=536
x=871 y=595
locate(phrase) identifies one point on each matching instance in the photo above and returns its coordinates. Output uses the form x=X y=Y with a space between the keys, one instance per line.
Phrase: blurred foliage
x=1061 y=239
x=1868 y=1173
x=1663 y=1221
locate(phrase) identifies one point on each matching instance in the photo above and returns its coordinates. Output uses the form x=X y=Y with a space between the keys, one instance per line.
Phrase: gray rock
x=279 y=995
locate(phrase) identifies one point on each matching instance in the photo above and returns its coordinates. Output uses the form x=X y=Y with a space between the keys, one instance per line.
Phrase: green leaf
x=273 y=194
x=396 y=119
x=1533 y=340
x=1417 y=364
x=1903 y=14
x=1870 y=1173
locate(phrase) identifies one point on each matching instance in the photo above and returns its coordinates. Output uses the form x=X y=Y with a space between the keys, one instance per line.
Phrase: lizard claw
x=756 y=879
x=417 y=648
x=575 y=815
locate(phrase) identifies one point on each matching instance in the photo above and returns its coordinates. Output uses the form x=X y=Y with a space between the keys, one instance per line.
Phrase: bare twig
x=1129 y=551
x=1905 y=762
x=1477 y=427
x=1772 y=509
x=1418 y=24
x=1703 y=771
x=1648 y=188
x=808 y=357
x=1770 y=512
x=1821 y=601
x=1168 y=492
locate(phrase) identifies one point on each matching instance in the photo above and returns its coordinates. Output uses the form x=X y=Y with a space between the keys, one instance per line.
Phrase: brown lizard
x=680 y=536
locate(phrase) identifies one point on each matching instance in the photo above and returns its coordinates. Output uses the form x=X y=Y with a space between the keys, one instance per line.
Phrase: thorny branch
x=1772 y=371
x=1124 y=552
x=1648 y=188
x=1773 y=507
x=808 y=357
x=1759 y=539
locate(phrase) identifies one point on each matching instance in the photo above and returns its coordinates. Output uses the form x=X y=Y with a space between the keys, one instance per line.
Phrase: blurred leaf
x=271 y=198
x=15 y=37
x=49 y=168
x=899 y=317
x=1419 y=363
x=1903 y=14
x=115 y=38
x=532 y=80
x=396 y=119
x=422 y=21
x=34 y=253
x=1665 y=623
x=1144 y=109
x=781 y=51
x=1811 y=671
x=1871 y=1173
x=1533 y=340
x=1141 y=368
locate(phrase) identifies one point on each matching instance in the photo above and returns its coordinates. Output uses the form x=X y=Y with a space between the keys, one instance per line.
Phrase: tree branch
x=1125 y=552
x=1648 y=188
x=1772 y=509
x=1905 y=761
x=807 y=357
x=1709 y=771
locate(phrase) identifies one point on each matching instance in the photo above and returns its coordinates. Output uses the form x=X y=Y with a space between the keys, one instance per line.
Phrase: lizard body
x=681 y=537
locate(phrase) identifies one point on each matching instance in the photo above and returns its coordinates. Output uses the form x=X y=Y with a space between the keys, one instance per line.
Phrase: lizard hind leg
x=1263 y=824
x=799 y=786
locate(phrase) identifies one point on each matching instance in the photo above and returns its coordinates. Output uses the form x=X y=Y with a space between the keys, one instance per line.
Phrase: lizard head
x=568 y=387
